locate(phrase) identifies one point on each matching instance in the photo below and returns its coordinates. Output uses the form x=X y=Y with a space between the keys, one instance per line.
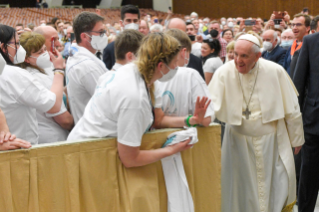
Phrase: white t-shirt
x=82 y=74
x=178 y=96
x=196 y=49
x=116 y=66
x=49 y=130
x=212 y=64
x=21 y=96
x=120 y=107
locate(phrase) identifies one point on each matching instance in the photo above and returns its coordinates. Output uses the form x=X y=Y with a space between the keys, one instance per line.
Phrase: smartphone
x=277 y=21
x=52 y=45
x=250 y=22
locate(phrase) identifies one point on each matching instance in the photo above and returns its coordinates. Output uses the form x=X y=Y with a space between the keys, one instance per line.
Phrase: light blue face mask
x=286 y=44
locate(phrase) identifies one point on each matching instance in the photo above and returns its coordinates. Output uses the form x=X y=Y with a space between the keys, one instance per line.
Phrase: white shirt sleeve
x=36 y=95
x=199 y=89
x=212 y=64
x=131 y=126
x=62 y=110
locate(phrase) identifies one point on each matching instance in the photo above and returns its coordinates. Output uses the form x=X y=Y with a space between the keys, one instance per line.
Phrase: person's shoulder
x=312 y=37
x=281 y=50
x=270 y=66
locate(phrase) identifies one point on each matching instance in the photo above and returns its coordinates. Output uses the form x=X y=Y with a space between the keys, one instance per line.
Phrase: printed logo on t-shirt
x=168 y=100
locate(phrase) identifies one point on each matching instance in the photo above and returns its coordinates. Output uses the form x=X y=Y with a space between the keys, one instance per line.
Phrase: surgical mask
x=43 y=61
x=64 y=31
x=131 y=26
x=186 y=59
x=20 y=55
x=230 y=24
x=2 y=64
x=118 y=32
x=201 y=26
x=98 y=42
x=171 y=73
x=286 y=44
x=267 y=45
x=223 y=22
x=43 y=24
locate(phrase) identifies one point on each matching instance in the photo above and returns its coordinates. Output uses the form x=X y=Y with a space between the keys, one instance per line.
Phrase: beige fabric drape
x=88 y=176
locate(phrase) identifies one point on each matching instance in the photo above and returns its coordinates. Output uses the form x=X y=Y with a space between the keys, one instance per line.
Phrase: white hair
x=254 y=47
x=157 y=28
x=287 y=30
x=195 y=14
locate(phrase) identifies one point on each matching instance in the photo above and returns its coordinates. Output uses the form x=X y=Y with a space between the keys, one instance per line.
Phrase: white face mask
x=43 y=61
x=267 y=45
x=98 y=42
x=171 y=73
x=2 y=64
x=223 y=22
x=20 y=55
x=186 y=60
x=286 y=44
x=230 y=24
x=131 y=26
x=64 y=31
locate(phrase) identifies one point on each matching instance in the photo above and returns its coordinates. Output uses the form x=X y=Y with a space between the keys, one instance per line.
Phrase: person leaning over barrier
x=123 y=100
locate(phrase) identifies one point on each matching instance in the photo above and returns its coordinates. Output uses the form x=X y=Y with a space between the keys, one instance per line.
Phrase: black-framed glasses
x=297 y=25
x=102 y=33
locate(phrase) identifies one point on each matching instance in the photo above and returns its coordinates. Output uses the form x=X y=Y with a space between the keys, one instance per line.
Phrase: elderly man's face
x=286 y=36
x=143 y=28
x=245 y=59
x=196 y=24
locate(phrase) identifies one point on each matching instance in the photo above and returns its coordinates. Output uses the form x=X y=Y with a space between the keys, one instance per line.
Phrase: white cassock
x=258 y=172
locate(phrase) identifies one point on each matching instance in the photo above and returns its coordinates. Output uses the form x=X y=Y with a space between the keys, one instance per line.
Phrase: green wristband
x=187 y=121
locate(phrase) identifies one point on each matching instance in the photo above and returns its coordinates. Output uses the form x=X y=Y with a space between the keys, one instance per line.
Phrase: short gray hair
x=157 y=27
x=254 y=48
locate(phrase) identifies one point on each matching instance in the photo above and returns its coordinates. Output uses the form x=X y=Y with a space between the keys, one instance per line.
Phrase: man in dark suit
x=300 y=28
x=273 y=51
x=306 y=79
x=130 y=19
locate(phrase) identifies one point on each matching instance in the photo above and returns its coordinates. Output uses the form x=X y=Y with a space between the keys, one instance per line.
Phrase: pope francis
x=258 y=102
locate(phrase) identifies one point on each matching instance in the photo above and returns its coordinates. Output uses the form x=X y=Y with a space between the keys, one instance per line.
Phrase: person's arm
x=282 y=58
x=57 y=85
x=163 y=121
x=65 y=120
x=133 y=156
x=208 y=77
x=5 y=134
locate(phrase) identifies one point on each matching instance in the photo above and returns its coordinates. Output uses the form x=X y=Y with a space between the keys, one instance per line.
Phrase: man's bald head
x=48 y=32
x=176 y=23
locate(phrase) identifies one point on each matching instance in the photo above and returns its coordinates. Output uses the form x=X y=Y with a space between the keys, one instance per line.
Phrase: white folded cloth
x=179 y=197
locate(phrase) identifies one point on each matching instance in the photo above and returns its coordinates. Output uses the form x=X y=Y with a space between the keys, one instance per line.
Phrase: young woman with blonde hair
x=123 y=100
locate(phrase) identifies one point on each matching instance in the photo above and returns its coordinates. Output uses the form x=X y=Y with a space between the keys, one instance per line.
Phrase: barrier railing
x=89 y=176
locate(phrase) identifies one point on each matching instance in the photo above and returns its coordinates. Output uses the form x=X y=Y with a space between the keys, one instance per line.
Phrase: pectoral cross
x=247 y=113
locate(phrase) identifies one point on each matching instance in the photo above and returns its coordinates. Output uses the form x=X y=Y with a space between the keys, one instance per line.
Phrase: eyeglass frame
x=297 y=25
x=101 y=32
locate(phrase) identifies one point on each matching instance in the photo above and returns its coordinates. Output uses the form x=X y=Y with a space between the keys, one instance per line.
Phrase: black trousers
x=309 y=174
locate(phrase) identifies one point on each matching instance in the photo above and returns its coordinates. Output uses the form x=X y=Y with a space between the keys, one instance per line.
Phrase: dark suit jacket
x=109 y=56
x=277 y=55
x=287 y=60
x=293 y=63
x=196 y=63
x=306 y=79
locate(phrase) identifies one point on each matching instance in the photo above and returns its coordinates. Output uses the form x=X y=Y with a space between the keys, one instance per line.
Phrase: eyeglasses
x=16 y=43
x=102 y=33
x=297 y=25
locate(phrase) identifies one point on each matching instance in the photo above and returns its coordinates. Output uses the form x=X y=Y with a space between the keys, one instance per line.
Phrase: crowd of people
x=90 y=79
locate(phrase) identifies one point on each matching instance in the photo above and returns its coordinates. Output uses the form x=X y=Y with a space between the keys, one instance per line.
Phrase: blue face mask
x=286 y=44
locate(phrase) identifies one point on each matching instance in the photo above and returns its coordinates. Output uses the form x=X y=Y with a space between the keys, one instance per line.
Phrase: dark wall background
x=243 y=8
